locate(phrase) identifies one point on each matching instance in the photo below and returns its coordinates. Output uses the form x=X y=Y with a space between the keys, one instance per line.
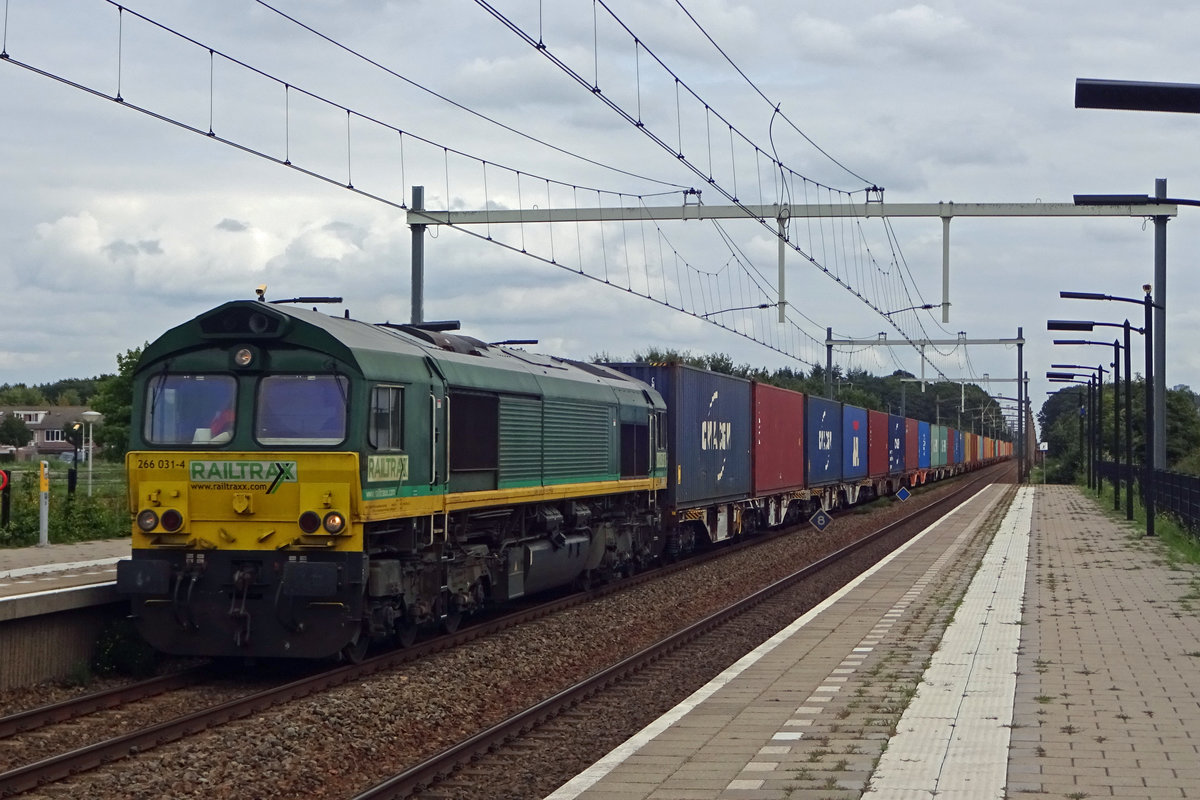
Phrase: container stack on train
x=799 y=453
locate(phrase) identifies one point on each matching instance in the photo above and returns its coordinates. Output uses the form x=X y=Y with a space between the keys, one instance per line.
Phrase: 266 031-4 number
x=160 y=463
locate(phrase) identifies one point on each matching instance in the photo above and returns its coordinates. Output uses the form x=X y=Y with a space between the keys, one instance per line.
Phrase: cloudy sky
x=118 y=225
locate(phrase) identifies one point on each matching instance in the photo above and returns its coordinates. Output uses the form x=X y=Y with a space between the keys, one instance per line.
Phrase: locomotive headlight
x=147 y=520
x=172 y=520
x=244 y=357
x=259 y=323
x=309 y=522
x=334 y=522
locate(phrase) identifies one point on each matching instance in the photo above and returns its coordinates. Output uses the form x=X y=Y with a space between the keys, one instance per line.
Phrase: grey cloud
x=121 y=249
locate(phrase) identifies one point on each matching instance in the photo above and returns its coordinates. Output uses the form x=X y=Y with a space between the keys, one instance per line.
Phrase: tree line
x=111 y=395
x=1063 y=422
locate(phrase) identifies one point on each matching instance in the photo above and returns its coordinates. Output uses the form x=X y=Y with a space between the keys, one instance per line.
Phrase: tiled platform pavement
x=809 y=719
x=1068 y=669
x=1108 y=694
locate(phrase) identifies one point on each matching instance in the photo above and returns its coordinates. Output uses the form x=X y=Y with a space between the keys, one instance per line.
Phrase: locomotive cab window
x=301 y=410
x=190 y=409
x=386 y=431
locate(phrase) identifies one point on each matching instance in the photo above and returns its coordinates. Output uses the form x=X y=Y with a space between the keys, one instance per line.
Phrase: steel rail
x=58 y=767
x=34 y=718
x=421 y=776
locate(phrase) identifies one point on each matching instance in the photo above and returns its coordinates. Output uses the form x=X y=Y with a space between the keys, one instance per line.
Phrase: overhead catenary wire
x=759 y=92
x=838 y=268
x=639 y=47
x=461 y=106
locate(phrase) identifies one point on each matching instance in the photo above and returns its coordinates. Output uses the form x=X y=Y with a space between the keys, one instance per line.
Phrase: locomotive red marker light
x=172 y=520
x=334 y=522
x=310 y=521
x=147 y=520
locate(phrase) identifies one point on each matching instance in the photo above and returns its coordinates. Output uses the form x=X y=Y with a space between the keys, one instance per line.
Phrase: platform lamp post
x=90 y=418
x=1177 y=98
x=1095 y=412
x=1084 y=406
x=1147 y=331
x=1116 y=428
x=1094 y=94
x=1127 y=474
x=1081 y=325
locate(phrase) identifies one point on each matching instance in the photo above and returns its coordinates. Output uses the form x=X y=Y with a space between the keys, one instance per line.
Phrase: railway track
x=458 y=772
x=107 y=752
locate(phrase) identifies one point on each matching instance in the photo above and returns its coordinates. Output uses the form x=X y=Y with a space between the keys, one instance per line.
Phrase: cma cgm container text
x=708 y=432
x=896 y=439
x=778 y=440
x=854 y=443
x=823 y=441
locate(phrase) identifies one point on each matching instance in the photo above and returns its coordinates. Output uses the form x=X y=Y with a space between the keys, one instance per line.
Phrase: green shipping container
x=938 y=436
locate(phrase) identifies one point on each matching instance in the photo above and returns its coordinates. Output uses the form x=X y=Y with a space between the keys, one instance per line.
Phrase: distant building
x=46 y=425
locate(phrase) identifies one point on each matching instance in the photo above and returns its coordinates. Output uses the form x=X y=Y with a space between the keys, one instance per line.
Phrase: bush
x=72 y=518
x=121 y=651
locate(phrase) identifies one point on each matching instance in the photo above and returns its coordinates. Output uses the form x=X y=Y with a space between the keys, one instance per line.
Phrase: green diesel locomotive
x=304 y=484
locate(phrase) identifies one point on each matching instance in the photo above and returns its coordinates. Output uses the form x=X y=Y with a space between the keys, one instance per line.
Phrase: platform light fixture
x=1153 y=416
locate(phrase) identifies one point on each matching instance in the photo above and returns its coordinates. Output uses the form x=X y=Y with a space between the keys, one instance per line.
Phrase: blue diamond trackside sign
x=820 y=520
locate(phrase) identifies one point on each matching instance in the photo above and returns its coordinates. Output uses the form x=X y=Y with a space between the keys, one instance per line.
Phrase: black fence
x=1175 y=493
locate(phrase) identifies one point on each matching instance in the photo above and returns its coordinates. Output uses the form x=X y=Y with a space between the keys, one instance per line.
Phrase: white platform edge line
x=589 y=777
x=64 y=590
x=41 y=569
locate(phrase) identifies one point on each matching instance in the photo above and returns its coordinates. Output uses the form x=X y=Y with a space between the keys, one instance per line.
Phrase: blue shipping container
x=822 y=441
x=960 y=447
x=854 y=443
x=895 y=444
x=708 y=432
x=924 y=434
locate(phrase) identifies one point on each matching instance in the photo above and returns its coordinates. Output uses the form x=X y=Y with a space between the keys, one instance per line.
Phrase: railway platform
x=1026 y=645
x=36 y=571
x=53 y=601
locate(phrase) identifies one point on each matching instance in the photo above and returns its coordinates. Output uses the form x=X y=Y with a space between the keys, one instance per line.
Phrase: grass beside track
x=72 y=518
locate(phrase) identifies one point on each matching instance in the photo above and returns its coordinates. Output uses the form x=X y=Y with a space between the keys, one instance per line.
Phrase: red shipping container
x=877 y=443
x=912 y=444
x=778 y=453
x=951 y=441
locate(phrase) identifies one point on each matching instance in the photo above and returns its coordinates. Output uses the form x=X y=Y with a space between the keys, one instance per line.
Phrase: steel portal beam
x=945 y=211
